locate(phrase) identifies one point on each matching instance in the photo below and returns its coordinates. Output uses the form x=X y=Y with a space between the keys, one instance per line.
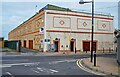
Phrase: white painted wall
x=51 y=24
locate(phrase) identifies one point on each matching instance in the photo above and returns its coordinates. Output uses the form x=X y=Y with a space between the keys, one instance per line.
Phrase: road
x=43 y=65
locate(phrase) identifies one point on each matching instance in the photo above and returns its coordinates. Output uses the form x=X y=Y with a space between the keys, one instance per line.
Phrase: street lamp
x=83 y=2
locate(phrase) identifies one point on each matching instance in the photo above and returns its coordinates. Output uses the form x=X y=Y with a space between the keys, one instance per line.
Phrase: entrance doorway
x=56 y=44
x=72 y=46
x=24 y=43
x=31 y=44
x=86 y=46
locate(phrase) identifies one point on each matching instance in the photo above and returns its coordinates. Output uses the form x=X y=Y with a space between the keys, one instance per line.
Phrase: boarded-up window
x=103 y=25
x=62 y=22
x=84 y=24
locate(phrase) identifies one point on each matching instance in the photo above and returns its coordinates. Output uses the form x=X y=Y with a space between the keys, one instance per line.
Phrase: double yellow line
x=79 y=64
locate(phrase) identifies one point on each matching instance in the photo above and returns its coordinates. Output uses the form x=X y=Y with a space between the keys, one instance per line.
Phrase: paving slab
x=106 y=65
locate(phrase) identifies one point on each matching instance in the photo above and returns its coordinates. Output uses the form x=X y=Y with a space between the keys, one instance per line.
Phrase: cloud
x=14 y=19
x=9 y=23
x=13 y=14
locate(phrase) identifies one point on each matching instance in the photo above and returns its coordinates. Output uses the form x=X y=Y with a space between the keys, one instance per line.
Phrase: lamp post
x=83 y=2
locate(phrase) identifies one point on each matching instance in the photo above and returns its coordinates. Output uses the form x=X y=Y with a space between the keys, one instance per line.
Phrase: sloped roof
x=53 y=7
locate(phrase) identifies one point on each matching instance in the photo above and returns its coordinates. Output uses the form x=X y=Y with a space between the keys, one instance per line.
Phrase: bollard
x=119 y=70
x=116 y=49
x=75 y=49
x=109 y=50
x=94 y=58
x=19 y=46
x=103 y=50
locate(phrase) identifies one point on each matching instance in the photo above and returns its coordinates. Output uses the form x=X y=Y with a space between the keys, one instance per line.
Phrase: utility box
x=41 y=48
x=51 y=48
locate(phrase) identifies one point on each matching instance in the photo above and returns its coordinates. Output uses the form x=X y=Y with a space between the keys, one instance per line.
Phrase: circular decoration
x=37 y=39
x=103 y=25
x=84 y=24
x=62 y=22
x=38 y=24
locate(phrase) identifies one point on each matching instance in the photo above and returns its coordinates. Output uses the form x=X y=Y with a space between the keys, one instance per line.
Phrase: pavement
x=104 y=66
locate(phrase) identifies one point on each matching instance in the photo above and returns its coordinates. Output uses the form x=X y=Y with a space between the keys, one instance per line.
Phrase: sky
x=15 y=12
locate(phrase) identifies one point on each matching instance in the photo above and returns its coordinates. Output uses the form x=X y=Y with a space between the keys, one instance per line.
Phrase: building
x=66 y=29
x=118 y=36
x=118 y=49
x=1 y=42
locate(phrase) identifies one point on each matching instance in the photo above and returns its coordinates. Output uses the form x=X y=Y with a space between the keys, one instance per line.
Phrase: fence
x=106 y=46
x=14 y=44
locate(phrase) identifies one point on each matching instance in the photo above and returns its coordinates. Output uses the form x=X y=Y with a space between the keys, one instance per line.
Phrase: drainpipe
x=45 y=44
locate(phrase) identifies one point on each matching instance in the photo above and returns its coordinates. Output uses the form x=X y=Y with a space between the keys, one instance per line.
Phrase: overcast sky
x=13 y=12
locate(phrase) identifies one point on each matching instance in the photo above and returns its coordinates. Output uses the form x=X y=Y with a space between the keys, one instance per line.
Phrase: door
x=56 y=46
x=31 y=44
x=24 y=44
x=72 y=46
x=86 y=46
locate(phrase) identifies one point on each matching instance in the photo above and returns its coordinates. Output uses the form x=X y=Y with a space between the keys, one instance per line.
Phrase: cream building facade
x=67 y=30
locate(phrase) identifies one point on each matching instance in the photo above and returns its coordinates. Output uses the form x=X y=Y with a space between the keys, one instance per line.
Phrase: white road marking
x=62 y=61
x=2 y=66
x=32 y=64
x=40 y=69
x=35 y=63
x=47 y=70
x=8 y=73
x=23 y=64
x=26 y=65
x=53 y=70
x=35 y=71
x=71 y=60
x=15 y=60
